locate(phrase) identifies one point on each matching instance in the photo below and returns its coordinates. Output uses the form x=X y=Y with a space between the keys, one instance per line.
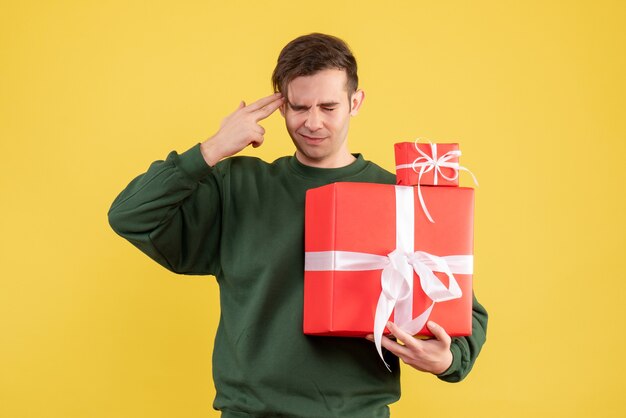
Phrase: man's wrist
x=454 y=364
x=209 y=152
x=445 y=364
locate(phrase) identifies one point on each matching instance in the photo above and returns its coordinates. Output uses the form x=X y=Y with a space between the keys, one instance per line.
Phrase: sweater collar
x=328 y=174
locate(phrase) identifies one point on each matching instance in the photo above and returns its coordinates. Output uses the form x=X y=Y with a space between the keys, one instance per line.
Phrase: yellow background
x=91 y=92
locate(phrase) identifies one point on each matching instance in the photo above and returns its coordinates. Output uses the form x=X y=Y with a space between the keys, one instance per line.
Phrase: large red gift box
x=437 y=161
x=361 y=220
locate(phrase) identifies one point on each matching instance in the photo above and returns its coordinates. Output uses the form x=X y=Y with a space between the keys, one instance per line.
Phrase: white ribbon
x=397 y=272
x=426 y=163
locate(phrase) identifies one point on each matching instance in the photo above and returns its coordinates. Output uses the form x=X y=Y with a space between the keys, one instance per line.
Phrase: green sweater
x=243 y=222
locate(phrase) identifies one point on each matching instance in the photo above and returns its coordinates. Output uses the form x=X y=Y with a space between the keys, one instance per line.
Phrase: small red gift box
x=427 y=164
x=361 y=237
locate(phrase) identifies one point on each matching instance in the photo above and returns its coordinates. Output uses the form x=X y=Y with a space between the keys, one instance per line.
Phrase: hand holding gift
x=432 y=355
x=365 y=261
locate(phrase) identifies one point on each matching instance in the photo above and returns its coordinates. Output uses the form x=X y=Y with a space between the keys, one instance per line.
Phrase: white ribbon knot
x=427 y=163
x=397 y=290
x=395 y=285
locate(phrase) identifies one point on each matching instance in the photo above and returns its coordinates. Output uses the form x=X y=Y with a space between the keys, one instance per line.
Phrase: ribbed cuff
x=193 y=164
x=456 y=362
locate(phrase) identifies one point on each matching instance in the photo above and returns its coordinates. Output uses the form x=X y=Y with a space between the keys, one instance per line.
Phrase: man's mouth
x=313 y=138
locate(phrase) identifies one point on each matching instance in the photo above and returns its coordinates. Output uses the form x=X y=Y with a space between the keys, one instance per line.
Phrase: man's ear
x=356 y=101
x=282 y=108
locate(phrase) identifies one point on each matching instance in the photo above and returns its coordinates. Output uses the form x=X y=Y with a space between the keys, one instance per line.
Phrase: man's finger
x=398 y=349
x=258 y=142
x=268 y=109
x=264 y=101
x=402 y=336
x=260 y=130
x=438 y=332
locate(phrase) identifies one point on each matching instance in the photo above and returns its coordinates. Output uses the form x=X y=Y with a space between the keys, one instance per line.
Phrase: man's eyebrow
x=325 y=104
x=296 y=106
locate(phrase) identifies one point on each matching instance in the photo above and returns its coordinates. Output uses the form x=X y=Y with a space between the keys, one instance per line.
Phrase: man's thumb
x=438 y=331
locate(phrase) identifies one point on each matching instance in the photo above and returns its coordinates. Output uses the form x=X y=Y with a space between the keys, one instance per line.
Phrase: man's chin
x=310 y=156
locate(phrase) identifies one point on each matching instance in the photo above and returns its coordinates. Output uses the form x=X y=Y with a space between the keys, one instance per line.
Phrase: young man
x=242 y=220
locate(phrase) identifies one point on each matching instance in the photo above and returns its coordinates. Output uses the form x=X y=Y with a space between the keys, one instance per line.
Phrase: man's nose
x=313 y=121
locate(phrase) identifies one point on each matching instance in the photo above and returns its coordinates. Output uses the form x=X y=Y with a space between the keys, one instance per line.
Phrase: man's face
x=317 y=115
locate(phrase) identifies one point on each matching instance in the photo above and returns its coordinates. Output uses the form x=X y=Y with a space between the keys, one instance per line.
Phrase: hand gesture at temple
x=240 y=129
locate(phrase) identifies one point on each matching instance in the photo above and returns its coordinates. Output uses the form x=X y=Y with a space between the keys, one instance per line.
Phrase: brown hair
x=309 y=54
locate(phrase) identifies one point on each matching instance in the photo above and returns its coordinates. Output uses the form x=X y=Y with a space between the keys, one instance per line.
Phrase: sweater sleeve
x=172 y=213
x=465 y=349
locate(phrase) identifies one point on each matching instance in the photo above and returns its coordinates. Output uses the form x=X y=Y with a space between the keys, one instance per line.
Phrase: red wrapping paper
x=406 y=154
x=360 y=217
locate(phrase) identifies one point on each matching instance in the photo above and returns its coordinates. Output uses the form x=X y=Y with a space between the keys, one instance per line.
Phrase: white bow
x=427 y=163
